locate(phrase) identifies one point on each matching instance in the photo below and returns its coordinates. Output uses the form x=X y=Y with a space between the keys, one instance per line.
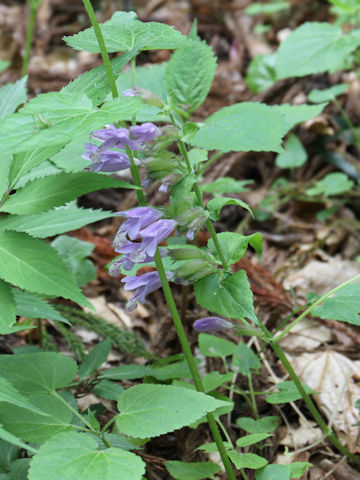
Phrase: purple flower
x=131 y=92
x=209 y=324
x=152 y=236
x=143 y=284
x=105 y=160
x=145 y=132
x=138 y=218
x=127 y=262
x=116 y=137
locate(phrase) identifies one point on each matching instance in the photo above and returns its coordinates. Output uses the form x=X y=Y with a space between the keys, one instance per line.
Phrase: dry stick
x=159 y=264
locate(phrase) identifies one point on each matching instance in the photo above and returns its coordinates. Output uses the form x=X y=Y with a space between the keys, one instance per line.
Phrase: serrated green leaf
x=34 y=427
x=5 y=175
x=191 y=471
x=211 y=346
x=314 y=47
x=298 y=469
x=150 y=410
x=95 y=358
x=274 y=472
x=263 y=425
x=19 y=469
x=54 y=222
x=11 y=96
x=343 y=306
x=69 y=159
x=234 y=245
x=72 y=456
x=8 y=453
x=332 y=184
x=74 y=253
x=216 y=204
x=7 y=308
x=294 y=154
x=213 y=380
x=190 y=74
x=242 y=127
x=33 y=265
x=251 y=439
x=247 y=460
x=95 y=83
x=45 y=193
x=23 y=162
x=9 y=437
x=327 y=94
x=294 y=114
x=288 y=392
x=124 y=32
x=38 y=372
x=31 y=306
x=244 y=360
x=229 y=296
x=211 y=447
x=261 y=73
x=52 y=118
x=125 y=372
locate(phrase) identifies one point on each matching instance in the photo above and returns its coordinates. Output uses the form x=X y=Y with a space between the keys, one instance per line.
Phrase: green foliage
x=242 y=127
x=234 y=245
x=244 y=360
x=74 y=253
x=45 y=193
x=215 y=205
x=190 y=73
x=8 y=310
x=11 y=96
x=294 y=154
x=288 y=392
x=282 y=472
x=4 y=65
x=294 y=114
x=191 y=471
x=64 y=115
x=151 y=410
x=263 y=425
x=327 y=94
x=226 y=295
x=344 y=306
x=261 y=73
x=108 y=389
x=247 y=460
x=211 y=346
x=251 y=439
x=9 y=395
x=123 y=32
x=258 y=8
x=226 y=185
x=32 y=306
x=314 y=47
x=95 y=359
x=70 y=456
x=332 y=184
x=54 y=222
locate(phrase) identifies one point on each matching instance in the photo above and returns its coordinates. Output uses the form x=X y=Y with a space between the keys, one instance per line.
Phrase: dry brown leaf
x=305 y=434
x=306 y=335
x=336 y=378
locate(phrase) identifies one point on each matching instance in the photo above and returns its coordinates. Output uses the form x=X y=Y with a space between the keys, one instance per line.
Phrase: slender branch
x=33 y=6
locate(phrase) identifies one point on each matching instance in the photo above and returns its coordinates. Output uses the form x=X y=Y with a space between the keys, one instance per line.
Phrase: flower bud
x=189 y=253
x=194 y=270
x=211 y=324
x=147 y=96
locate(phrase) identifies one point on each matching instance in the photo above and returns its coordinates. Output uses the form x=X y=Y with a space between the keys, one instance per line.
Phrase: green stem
x=100 y=40
x=198 y=194
x=347 y=121
x=253 y=399
x=313 y=305
x=311 y=406
x=75 y=412
x=211 y=160
x=29 y=37
x=160 y=267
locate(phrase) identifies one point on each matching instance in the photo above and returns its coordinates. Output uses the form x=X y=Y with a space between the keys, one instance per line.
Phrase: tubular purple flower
x=211 y=324
x=143 y=284
x=138 y=218
x=105 y=160
x=155 y=234
x=145 y=132
x=127 y=263
x=116 y=137
x=130 y=93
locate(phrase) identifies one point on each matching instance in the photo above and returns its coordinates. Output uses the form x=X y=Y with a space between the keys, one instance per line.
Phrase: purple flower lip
x=145 y=132
x=138 y=218
x=211 y=324
x=143 y=284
